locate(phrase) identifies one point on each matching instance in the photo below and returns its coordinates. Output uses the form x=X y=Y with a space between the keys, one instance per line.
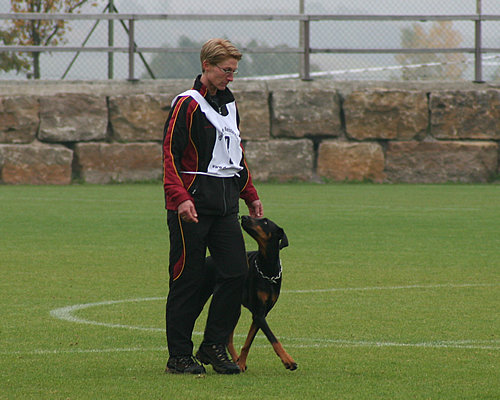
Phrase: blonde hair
x=215 y=51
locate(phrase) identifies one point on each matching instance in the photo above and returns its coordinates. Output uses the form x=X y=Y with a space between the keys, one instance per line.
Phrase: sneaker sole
x=177 y=372
x=224 y=371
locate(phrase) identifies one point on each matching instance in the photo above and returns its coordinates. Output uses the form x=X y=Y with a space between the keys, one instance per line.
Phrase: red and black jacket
x=188 y=142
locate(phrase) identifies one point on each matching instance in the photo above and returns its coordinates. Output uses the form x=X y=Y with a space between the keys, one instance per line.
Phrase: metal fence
x=449 y=46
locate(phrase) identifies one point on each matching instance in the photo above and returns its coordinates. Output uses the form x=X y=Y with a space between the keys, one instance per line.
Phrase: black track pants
x=191 y=283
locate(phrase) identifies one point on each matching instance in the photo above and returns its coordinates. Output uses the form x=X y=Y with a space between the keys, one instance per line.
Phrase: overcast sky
x=311 y=6
x=292 y=6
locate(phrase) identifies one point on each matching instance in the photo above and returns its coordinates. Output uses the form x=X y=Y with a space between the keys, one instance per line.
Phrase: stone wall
x=57 y=133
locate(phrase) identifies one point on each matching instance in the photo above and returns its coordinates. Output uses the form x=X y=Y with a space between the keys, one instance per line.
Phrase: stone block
x=465 y=114
x=303 y=112
x=138 y=118
x=73 y=118
x=344 y=161
x=386 y=114
x=118 y=162
x=18 y=119
x=255 y=120
x=35 y=164
x=439 y=162
x=281 y=160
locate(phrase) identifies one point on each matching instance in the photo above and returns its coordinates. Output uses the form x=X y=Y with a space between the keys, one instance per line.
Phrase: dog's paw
x=292 y=365
x=242 y=365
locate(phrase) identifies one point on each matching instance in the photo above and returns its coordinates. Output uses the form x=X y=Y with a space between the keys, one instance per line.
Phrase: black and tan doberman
x=262 y=286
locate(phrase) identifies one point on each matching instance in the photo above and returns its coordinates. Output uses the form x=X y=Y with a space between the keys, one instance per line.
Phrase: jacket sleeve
x=175 y=141
x=247 y=191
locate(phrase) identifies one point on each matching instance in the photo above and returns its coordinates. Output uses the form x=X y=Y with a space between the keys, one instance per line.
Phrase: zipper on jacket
x=194 y=187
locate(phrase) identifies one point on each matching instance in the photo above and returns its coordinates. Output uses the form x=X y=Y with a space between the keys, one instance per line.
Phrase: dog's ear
x=284 y=240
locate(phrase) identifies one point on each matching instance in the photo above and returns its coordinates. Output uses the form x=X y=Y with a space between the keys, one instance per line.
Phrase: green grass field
x=389 y=292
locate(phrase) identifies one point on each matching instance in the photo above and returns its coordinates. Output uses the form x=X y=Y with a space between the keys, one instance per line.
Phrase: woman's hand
x=256 y=209
x=187 y=211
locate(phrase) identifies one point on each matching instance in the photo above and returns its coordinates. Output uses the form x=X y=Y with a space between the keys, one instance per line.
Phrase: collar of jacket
x=224 y=96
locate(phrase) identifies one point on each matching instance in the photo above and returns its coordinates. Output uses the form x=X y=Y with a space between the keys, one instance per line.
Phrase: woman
x=205 y=174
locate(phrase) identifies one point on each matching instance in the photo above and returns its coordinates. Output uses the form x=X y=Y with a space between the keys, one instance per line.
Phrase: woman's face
x=217 y=76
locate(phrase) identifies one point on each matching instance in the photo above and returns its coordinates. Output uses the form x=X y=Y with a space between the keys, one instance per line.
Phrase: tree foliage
x=177 y=65
x=35 y=32
x=188 y=65
x=11 y=61
x=440 y=35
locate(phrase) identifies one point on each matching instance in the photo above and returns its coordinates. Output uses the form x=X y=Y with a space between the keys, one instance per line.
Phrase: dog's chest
x=260 y=279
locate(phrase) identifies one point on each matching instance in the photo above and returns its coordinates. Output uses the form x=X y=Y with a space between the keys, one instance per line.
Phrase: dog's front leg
x=285 y=358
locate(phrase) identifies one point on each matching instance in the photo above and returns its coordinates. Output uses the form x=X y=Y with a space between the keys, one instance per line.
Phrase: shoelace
x=187 y=360
x=220 y=353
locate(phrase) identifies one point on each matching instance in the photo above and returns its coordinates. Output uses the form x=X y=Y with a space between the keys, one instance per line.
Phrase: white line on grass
x=466 y=344
x=362 y=289
x=452 y=344
x=481 y=345
x=67 y=314
x=82 y=351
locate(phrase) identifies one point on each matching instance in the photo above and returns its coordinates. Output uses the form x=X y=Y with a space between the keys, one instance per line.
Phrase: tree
x=442 y=65
x=11 y=61
x=177 y=65
x=35 y=32
x=256 y=64
x=187 y=65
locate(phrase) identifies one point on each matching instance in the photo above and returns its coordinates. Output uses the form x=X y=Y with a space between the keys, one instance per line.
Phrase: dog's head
x=265 y=232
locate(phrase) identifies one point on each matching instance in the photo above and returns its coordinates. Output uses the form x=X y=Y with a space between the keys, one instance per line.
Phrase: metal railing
x=305 y=49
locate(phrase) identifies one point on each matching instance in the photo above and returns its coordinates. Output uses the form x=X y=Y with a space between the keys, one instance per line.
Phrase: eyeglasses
x=227 y=71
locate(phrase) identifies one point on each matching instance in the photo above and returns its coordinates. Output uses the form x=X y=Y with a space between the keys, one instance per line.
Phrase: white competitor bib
x=227 y=154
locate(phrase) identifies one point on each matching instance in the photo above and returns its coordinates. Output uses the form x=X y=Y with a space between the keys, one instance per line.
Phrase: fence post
x=111 y=40
x=305 y=73
x=131 y=49
x=478 y=62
